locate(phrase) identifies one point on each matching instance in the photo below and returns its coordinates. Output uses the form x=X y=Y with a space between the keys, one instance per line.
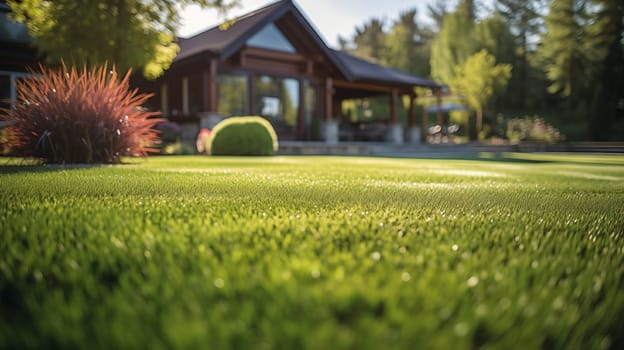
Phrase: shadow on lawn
x=15 y=166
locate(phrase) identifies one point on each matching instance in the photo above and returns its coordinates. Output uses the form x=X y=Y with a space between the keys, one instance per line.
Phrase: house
x=271 y=62
x=17 y=54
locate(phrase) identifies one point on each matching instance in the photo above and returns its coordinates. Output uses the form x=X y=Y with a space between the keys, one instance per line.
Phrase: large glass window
x=277 y=99
x=232 y=99
x=271 y=38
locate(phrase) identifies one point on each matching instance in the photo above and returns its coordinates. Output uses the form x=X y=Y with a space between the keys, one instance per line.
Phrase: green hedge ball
x=249 y=136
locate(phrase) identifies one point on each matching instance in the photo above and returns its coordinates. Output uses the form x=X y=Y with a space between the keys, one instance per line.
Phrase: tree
x=478 y=79
x=525 y=21
x=128 y=33
x=605 y=35
x=562 y=48
x=437 y=11
x=454 y=43
x=370 y=40
x=408 y=45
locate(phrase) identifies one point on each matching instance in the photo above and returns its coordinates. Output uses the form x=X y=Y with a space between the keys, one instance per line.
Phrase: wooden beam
x=369 y=87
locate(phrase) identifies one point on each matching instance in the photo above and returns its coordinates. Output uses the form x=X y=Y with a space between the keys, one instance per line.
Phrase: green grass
x=521 y=252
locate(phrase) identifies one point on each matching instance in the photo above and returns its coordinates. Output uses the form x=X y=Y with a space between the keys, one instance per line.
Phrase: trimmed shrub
x=68 y=116
x=244 y=136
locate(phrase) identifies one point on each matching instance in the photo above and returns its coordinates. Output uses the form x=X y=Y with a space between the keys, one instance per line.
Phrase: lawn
x=519 y=252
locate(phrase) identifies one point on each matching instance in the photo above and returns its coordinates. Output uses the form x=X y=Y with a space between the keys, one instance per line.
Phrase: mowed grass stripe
x=314 y=252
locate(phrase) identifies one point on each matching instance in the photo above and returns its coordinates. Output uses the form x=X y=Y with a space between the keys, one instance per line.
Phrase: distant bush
x=532 y=129
x=67 y=115
x=170 y=132
x=243 y=136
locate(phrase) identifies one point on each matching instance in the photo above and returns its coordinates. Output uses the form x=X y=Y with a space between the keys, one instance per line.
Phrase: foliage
x=4 y=141
x=437 y=11
x=129 y=33
x=243 y=136
x=562 y=47
x=573 y=48
x=532 y=129
x=408 y=45
x=370 y=41
x=478 y=79
x=69 y=116
x=607 y=55
x=314 y=252
x=452 y=46
x=525 y=21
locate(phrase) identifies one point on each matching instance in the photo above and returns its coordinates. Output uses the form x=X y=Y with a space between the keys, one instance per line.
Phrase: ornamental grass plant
x=69 y=115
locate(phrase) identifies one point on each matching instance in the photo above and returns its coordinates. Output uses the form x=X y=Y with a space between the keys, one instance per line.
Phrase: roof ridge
x=239 y=18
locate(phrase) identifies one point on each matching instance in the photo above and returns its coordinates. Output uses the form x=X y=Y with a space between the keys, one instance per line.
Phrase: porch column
x=395 y=129
x=439 y=116
x=425 y=125
x=330 y=127
x=209 y=117
x=413 y=129
x=209 y=86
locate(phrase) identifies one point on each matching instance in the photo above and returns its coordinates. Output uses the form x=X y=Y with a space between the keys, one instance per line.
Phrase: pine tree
x=408 y=45
x=565 y=59
x=370 y=40
x=525 y=21
x=606 y=51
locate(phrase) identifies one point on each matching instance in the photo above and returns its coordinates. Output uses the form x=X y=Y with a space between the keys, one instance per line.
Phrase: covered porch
x=273 y=64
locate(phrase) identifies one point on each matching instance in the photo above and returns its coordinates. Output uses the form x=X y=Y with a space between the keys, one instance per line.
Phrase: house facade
x=271 y=62
x=17 y=54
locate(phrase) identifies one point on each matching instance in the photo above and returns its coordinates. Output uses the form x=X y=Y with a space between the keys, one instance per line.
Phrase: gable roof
x=226 y=42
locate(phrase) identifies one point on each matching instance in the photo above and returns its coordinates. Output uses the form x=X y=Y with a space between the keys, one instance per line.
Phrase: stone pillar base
x=414 y=135
x=331 y=132
x=395 y=134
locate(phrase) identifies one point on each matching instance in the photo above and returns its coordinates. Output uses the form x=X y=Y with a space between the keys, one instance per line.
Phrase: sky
x=330 y=17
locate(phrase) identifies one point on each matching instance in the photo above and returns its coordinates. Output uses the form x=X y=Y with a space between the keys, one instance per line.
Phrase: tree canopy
x=128 y=33
x=478 y=78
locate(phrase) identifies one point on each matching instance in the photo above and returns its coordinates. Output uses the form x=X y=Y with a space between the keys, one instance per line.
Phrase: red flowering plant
x=65 y=115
